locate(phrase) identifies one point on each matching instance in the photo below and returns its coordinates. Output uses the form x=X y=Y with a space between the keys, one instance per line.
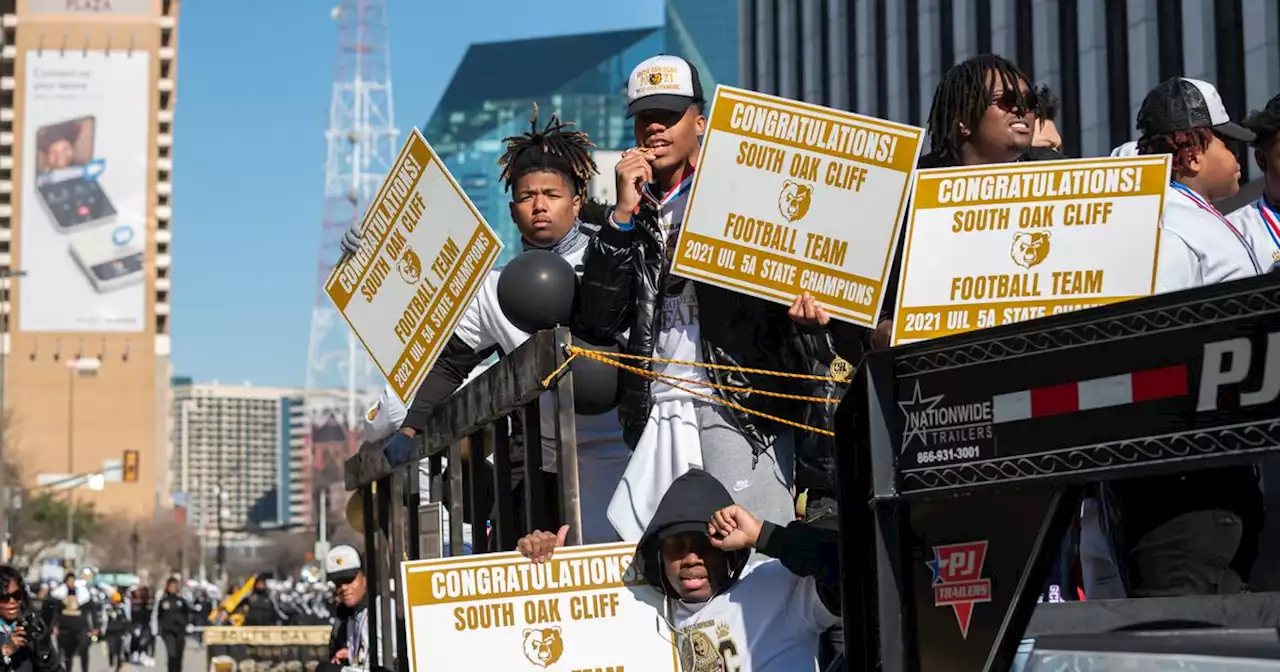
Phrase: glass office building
x=707 y=34
x=583 y=78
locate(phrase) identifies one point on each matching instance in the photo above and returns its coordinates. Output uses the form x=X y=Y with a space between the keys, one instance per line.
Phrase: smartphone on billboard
x=67 y=176
x=110 y=256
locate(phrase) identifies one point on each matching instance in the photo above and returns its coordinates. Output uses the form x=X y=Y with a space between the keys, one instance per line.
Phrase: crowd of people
x=700 y=461
x=50 y=626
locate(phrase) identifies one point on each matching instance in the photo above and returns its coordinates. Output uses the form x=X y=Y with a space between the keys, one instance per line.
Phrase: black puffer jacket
x=39 y=654
x=622 y=280
x=816 y=453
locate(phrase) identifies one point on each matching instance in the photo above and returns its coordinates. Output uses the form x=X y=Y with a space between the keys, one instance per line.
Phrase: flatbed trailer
x=963 y=460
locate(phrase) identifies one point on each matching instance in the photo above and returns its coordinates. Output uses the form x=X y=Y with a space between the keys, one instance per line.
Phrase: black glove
x=398 y=449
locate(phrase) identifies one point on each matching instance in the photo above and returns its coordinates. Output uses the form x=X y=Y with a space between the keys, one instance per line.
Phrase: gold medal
x=841 y=369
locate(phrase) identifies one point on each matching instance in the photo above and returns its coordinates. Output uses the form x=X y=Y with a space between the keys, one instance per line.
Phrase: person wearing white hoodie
x=1261 y=218
x=547 y=171
x=1192 y=534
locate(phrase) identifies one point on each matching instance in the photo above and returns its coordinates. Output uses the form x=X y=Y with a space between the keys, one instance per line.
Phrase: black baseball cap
x=1182 y=104
x=664 y=82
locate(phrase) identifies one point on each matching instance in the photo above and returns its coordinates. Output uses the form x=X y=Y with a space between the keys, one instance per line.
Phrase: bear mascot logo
x=1029 y=249
x=409 y=266
x=543 y=646
x=793 y=202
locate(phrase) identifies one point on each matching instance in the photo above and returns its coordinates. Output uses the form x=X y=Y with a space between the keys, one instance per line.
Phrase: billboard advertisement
x=115 y=7
x=82 y=225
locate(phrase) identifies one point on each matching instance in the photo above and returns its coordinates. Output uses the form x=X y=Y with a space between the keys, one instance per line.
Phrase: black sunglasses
x=1008 y=101
x=15 y=596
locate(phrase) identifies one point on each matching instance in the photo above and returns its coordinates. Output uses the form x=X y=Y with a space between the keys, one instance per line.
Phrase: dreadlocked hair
x=1048 y=104
x=1265 y=124
x=555 y=148
x=1183 y=145
x=963 y=96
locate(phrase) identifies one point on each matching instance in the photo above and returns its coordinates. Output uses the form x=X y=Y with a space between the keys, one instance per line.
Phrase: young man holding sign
x=547 y=171
x=724 y=612
x=984 y=112
x=1192 y=534
x=675 y=422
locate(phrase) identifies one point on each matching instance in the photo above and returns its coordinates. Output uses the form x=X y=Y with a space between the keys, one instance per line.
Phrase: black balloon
x=596 y=385
x=536 y=291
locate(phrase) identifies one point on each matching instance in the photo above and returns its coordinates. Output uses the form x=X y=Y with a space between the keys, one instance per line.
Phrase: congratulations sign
x=992 y=245
x=586 y=609
x=791 y=198
x=424 y=249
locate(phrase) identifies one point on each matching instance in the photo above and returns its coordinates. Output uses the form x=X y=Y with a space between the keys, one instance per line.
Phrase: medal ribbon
x=1204 y=205
x=681 y=189
x=1270 y=219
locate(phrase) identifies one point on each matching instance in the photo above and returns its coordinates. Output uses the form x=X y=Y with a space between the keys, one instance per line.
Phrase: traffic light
x=130 y=466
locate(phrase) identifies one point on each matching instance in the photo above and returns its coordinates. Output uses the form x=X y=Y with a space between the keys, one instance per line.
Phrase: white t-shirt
x=681 y=335
x=1198 y=246
x=1262 y=224
x=780 y=636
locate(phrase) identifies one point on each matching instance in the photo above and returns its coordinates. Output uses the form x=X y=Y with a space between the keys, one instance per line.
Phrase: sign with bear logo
x=424 y=251
x=790 y=197
x=585 y=609
x=998 y=244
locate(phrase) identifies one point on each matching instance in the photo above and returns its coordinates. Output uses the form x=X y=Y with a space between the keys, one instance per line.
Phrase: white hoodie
x=1261 y=224
x=1198 y=246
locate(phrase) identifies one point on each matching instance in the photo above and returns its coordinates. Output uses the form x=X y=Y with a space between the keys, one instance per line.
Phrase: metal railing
x=471 y=423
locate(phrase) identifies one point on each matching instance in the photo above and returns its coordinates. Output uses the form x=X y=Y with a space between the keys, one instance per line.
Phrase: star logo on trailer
x=916 y=409
x=957 y=579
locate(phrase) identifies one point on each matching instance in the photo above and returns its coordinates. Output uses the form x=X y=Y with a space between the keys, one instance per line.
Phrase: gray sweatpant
x=765 y=490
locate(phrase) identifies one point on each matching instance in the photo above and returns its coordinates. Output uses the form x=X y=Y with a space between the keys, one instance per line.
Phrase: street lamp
x=76 y=367
x=133 y=544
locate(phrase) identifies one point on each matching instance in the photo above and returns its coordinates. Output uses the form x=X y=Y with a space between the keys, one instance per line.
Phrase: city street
x=192 y=661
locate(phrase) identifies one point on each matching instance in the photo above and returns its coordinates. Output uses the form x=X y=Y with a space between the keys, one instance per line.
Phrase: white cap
x=384 y=417
x=1126 y=150
x=663 y=82
x=341 y=562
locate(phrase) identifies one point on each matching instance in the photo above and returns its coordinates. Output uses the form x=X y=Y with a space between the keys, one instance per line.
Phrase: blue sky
x=252 y=106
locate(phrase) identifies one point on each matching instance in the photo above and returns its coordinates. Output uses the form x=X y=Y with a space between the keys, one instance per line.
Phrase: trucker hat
x=664 y=82
x=342 y=563
x=1181 y=104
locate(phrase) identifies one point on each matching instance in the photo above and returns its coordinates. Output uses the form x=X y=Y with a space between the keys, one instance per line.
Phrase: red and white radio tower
x=362 y=136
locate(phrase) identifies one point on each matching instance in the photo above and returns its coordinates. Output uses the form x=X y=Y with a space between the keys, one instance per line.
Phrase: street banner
x=585 y=609
x=998 y=244
x=424 y=251
x=790 y=197
x=263 y=649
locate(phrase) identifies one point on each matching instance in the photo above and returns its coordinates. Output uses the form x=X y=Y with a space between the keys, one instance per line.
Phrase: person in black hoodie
x=23 y=648
x=172 y=617
x=727 y=609
x=984 y=111
x=74 y=623
x=117 y=627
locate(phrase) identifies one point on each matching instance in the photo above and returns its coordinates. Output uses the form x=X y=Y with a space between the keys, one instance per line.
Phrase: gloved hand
x=351 y=240
x=398 y=449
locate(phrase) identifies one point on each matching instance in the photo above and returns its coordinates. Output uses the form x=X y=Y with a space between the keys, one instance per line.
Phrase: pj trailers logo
x=957 y=579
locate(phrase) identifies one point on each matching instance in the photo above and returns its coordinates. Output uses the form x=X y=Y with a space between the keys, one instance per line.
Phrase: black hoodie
x=781 y=606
